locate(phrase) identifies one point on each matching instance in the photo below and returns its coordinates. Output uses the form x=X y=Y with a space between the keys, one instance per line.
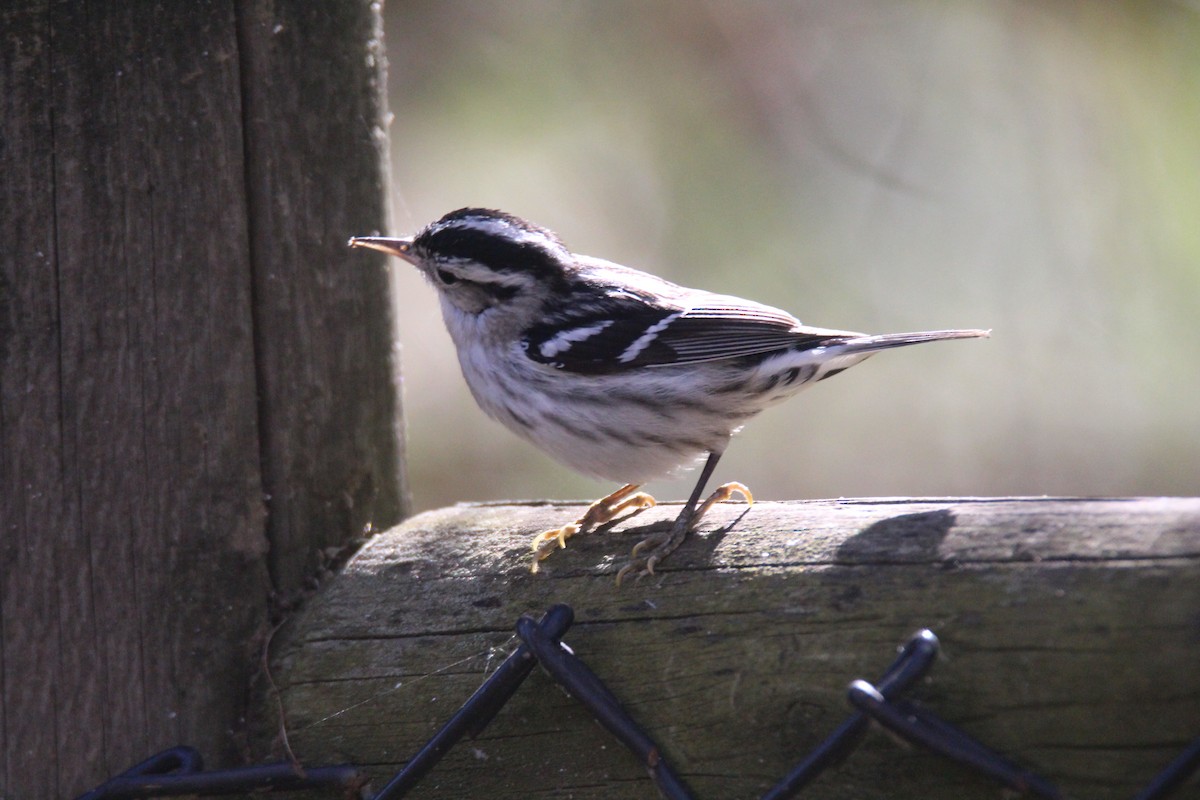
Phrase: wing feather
x=633 y=327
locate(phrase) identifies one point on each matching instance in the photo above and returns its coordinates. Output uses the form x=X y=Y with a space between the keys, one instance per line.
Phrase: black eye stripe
x=495 y=252
x=496 y=291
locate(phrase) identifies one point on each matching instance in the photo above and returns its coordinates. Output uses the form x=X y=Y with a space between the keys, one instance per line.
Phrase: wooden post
x=196 y=387
x=1069 y=632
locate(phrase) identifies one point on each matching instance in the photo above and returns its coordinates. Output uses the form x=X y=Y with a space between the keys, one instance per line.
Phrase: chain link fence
x=179 y=771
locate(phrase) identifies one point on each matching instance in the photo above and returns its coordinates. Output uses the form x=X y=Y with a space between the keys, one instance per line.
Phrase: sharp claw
x=625 y=499
x=605 y=510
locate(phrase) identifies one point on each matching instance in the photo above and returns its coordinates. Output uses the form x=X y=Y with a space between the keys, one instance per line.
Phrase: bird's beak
x=401 y=248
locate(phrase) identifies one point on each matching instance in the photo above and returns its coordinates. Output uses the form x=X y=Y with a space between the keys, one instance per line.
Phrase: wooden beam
x=316 y=174
x=195 y=374
x=1069 y=630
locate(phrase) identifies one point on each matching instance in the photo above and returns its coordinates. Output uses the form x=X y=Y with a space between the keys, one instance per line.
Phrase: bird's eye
x=447 y=277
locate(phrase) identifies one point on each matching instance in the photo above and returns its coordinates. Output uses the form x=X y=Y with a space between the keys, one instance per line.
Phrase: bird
x=616 y=373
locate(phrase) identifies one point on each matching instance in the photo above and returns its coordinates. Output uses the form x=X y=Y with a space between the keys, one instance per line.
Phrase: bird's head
x=480 y=259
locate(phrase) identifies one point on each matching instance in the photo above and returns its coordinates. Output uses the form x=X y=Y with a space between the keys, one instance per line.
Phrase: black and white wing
x=647 y=322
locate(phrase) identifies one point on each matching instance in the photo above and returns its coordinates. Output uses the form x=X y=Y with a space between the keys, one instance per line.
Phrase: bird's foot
x=721 y=494
x=658 y=546
x=603 y=510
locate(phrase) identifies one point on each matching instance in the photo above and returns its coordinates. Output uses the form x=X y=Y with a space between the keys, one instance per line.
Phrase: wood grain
x=316 y=155
x=142 y=401
x=1069 y=627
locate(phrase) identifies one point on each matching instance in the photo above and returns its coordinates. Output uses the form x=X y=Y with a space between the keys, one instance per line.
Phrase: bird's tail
x=886 y=341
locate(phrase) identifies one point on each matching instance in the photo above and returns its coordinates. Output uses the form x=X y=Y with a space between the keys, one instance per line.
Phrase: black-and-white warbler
x=613 y=372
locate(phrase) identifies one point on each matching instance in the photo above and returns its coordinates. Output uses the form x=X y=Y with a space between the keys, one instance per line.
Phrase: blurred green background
x=1030 y=167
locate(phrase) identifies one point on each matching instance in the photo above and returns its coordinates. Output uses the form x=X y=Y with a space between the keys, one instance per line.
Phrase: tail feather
x=886 y=341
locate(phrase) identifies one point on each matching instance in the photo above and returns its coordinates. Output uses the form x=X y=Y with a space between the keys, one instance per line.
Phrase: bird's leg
x=661 y=545
x=603 y=510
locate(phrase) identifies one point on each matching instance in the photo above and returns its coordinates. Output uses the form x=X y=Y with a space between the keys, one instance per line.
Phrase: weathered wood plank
x=31 y=493
x=316 y=155
x=1069 y=629
x=128 y=392
x=142 y=310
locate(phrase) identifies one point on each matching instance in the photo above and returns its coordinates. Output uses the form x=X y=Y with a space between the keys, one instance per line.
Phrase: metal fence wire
x=179 y=771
